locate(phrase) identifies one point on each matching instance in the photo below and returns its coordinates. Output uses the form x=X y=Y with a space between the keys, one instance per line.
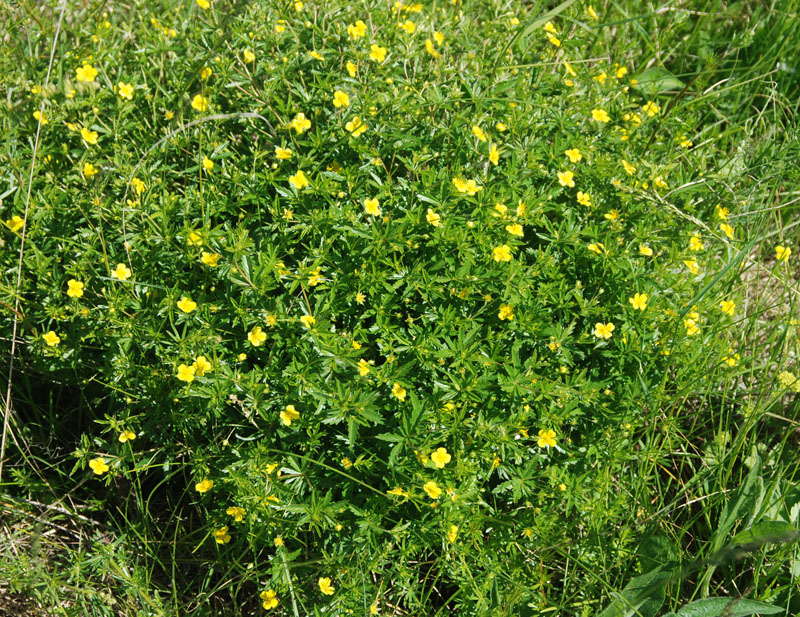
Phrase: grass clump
x=400 y=309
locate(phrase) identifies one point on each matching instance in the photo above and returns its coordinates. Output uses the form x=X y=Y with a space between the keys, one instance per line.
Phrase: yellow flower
x=651 y=109
x=433 y=218
x=591 y=12
x=731 y=360
x=693 y=266
x=549 y=27
x=430 y=48
x=186 y=373
x=621 y=72
x=506 y=312
x=363 y=367
x=409 y=26
x=125 y=91
x=659 y=182
x=596 y=247
x=565 y=178
x=728 y=307
x=204 y=485
x=341 y=99
x=208 y=164
x=612 y=215
x=629 y=169
x=691 y=327
x=315 y=278
x=201 y=366
x=138 y=186
x=479 y=133
x=126 y=436
x=121 y=272
x=432 y=489
x=601 y=78
x=288 y=414
x=205 y=73
x=325 y=586
x=494 y=155
x=89 y=170
x=645 y=250
x=236 y=512
x=722 y=213
x=372 y=207
x=788 y=380
x=282 y=154
x=204 y=4
x=200 y=102
x=270 y=599
x=600 y=115
x=249 y=56
x=397 y=491
x=278 y=541
x=186 y=304
x=360 y=298
x=298 y=5
x=547 y=438
x=639 y=301
x=727 y=229
x=357 y=30
x=86 y=73
x=300 y=123
x=574 y=155
x=602 y=330
x=256 y=336
x=352 y=68
x=584 y=199
x=209 y=259
x=74 y=288
x=221 y=535
x=686 y=143
x=98 y=466
x=15 y=223
x=356 y=127
x=501 y=253
x=373 y=609
x=782 y=253
x=695 y=243
x=515 y=229
x=466 y=186
x=307 y=321
x=51 y=338
x=554 y=40
x=299 y=180
x=40 y=117
x=441 y=457
x=399 y=392
x=438 y=37
x=377 y=53
x=452 y=533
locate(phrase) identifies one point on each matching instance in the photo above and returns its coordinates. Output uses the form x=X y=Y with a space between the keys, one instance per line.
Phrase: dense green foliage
x=463 y=308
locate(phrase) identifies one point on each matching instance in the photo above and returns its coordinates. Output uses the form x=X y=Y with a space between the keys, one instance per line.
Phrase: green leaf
x=730 y=607
x=656 y=80
x=642 y=596
x=765 y=532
